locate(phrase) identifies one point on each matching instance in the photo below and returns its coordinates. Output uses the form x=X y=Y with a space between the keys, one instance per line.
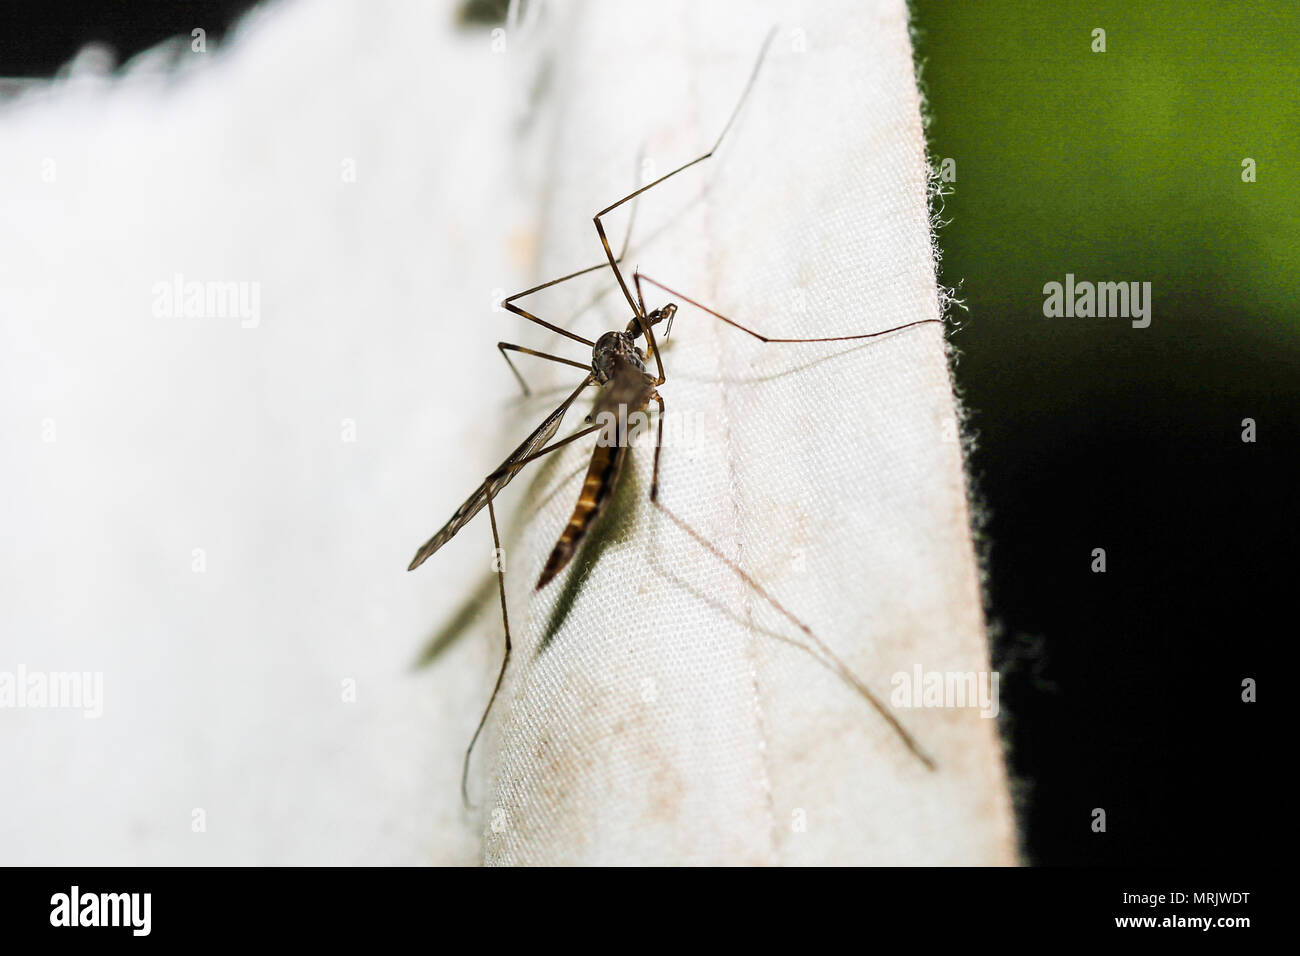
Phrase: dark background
x=1121 y=690
x=1126 y=165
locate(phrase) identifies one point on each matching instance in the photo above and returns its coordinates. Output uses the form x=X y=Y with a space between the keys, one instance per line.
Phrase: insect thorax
x=611 y=349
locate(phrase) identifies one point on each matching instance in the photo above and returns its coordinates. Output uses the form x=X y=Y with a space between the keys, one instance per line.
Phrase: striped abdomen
x=597 y=489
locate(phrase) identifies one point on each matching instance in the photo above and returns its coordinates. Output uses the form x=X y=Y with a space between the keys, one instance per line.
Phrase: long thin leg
x=503 y=347
x=505 y=660
x=496 y=482
x=659 y=444
x=516 y=465
x=654 y=348
x=510 y=307
x=600 y=228
x=648 y=332
x=505 y=617
x=837 y=665
x=763 y=338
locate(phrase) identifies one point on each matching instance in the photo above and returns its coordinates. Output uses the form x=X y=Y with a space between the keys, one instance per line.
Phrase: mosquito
x=620 y=369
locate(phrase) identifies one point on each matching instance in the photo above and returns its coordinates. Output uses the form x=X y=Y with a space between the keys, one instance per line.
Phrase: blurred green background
x=1122 y=690
x=1125 y=163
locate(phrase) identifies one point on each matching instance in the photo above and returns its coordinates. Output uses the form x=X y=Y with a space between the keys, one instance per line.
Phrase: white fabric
x=661 y=724
x=667 y=719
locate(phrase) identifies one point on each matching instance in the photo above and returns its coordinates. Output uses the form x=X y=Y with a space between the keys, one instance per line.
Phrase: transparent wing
x=493 y=484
